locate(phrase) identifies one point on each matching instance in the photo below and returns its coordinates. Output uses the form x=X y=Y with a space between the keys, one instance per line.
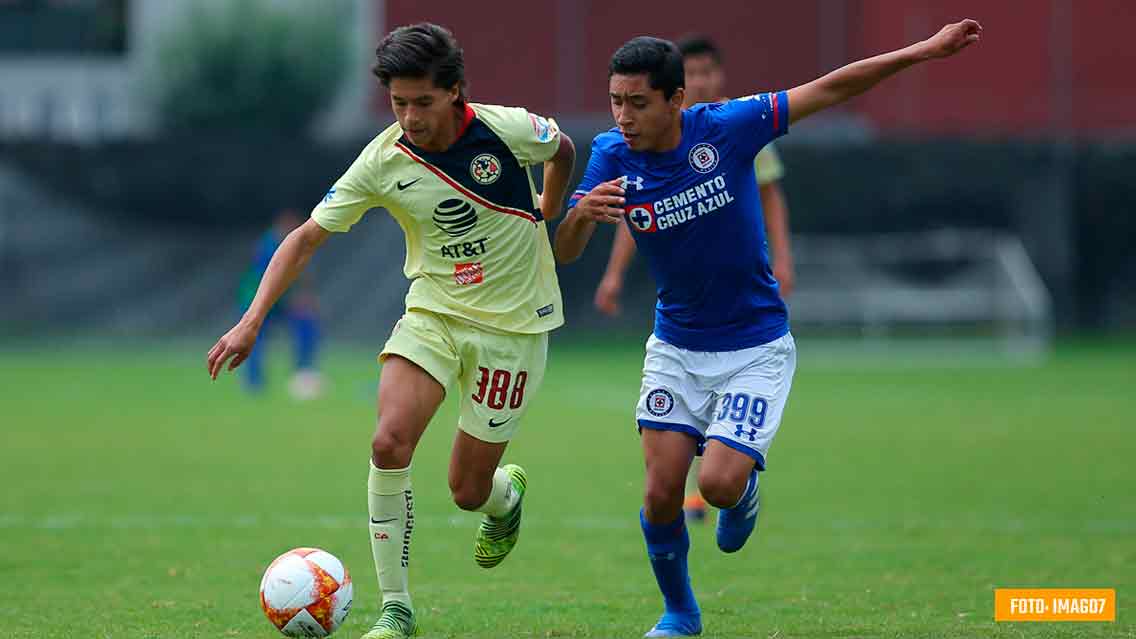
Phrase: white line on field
x=157 y=521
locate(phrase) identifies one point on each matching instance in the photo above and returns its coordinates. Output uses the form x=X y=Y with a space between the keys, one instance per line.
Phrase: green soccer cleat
x=496 y=536
x=395 y=622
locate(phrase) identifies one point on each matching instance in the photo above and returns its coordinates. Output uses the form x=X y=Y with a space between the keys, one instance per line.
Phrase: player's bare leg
x=477 y=484
x=728 y=480
x=668 y=455
x=408 y=398
x=693 y=505
x=472 y=466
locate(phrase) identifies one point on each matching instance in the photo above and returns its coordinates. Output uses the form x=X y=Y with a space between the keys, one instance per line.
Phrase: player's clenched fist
x=953 y=38
x=237 y=343
x=604 y=203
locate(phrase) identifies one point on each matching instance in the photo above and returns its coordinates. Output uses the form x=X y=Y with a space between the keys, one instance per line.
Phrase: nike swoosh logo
x=493 y=424
x=402 y=186
x=383 y=521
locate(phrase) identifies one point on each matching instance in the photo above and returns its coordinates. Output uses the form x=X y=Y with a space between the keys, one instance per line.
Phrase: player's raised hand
x=604 y=203
x=953 y=38
x=237 y=344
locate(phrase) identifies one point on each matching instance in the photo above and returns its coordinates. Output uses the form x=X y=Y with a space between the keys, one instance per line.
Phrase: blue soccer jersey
x=695 y=214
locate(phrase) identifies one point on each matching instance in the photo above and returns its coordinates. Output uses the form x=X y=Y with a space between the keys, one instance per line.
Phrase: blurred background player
x=720 y=362
x=706 y=82
x=296 y=311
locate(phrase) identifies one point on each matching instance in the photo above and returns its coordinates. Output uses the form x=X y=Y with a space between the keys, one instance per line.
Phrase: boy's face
x=423 y=110
x=643 y=115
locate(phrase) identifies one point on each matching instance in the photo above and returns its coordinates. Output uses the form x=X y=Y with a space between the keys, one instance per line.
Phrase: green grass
x=140 y=500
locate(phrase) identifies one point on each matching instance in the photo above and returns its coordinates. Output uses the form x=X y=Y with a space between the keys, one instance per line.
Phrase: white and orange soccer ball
x=306 y=592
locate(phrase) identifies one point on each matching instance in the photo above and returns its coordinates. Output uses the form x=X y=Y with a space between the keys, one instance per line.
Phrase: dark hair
x=699 y=45
x=658 y=58
x=418 y=51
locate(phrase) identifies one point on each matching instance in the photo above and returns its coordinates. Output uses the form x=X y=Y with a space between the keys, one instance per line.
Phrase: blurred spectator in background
x=706 y=82
x=297 y=309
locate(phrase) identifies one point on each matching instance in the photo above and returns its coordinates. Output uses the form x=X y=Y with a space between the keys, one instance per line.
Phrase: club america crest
x=485 y=169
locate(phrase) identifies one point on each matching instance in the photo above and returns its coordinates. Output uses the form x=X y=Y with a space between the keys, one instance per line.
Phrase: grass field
x=140 y=500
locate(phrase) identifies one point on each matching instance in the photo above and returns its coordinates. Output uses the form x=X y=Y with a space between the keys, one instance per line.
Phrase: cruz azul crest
x=703 y=157
x=660 y=402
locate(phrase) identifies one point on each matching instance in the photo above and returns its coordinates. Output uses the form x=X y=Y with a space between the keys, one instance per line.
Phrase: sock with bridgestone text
x=391 y=505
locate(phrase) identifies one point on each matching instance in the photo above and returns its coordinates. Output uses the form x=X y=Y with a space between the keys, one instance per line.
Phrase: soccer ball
x=306 y=592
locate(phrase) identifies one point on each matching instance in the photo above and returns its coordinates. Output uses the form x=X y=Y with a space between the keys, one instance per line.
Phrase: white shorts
x=735 y=397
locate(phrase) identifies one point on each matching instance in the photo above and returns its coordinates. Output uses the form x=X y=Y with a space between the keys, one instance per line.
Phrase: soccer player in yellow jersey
x=706 y=82
x=482 y=299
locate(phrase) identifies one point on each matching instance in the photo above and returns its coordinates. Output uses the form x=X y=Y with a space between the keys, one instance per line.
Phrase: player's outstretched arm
x=611 y=285
x=603 y=204
x=557 y=173
x=853 y=79
x=286 y=265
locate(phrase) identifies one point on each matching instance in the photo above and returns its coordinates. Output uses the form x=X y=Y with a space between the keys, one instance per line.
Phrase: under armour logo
x=628 y=180
x=740 y=432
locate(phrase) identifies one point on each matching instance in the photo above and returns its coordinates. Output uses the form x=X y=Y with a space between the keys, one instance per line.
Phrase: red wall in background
x=1043 y=68
x=756 y=57
x=509 y=45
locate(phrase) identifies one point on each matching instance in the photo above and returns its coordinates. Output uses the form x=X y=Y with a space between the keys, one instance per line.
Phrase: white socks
x=503 y=498
x=391 y=505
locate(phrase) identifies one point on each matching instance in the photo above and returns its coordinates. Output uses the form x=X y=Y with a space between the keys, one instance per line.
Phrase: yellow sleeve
x=768 y=166
x=533 y=139
x=352 y=195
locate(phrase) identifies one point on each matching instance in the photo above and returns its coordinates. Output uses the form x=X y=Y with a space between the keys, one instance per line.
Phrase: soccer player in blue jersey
x=705 y=81
x=720 y=363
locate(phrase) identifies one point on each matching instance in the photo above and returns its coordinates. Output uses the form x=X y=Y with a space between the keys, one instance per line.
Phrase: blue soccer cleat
x=677 y=624
x=736 y=524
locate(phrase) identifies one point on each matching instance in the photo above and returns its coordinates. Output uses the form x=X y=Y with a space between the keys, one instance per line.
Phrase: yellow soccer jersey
x=768 y=166
x=476 y=243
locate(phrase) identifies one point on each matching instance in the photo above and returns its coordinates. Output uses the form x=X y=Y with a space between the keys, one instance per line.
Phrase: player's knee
x=389 y=449
x=662 y=498
x=719 y=489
